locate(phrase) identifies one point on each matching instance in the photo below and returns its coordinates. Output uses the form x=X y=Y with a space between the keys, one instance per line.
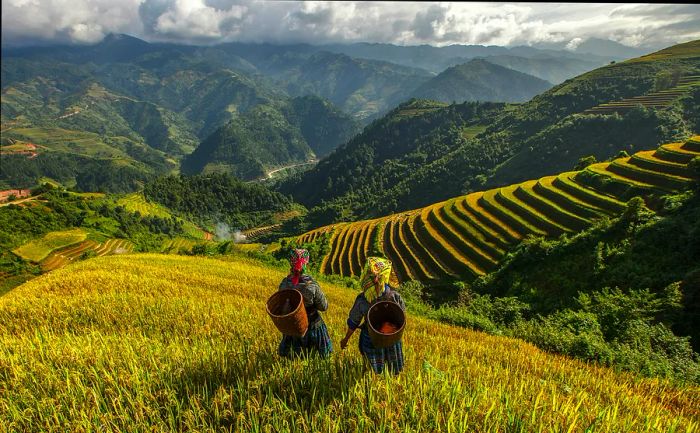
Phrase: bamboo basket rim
x=291 y=313
x=369 y=322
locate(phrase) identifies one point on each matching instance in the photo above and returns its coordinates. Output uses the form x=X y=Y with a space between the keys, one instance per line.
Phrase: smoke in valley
x=224 y=233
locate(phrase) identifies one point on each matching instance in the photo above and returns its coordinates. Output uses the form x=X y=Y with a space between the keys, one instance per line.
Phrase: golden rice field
x=169 y=343
x=468 y=236
x=38 y=249
x=64 y=256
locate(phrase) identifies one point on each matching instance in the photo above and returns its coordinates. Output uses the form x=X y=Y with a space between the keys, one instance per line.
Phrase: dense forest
x=480 y=80
x=218 y=198
x=272 y=135
x=344 y=186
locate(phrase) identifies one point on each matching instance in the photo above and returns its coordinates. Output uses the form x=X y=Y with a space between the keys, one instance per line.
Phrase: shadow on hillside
x=304 y=383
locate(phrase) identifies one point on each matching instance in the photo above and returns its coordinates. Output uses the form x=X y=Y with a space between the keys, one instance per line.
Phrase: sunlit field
x=169 y=343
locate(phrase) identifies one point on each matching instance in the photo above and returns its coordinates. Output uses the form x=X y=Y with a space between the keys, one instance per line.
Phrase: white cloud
x=211 y=21
x=573 y=44
x=80 y=21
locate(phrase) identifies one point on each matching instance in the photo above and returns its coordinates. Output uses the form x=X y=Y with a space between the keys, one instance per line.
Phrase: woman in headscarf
x=375 y=282
x=316 y=337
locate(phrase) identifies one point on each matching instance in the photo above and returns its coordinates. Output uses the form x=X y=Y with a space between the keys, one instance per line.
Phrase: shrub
x=573 y=333
x=88 y=254
x=504 y=311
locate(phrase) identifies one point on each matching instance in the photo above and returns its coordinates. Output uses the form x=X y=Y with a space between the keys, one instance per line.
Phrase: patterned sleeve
x=320 y=301
x=357 y=312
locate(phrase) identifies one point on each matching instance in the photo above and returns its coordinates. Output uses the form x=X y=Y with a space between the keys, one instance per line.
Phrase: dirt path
x=21 y=200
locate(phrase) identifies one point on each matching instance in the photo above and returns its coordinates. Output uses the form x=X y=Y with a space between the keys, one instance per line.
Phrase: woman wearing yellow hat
x=375 y=282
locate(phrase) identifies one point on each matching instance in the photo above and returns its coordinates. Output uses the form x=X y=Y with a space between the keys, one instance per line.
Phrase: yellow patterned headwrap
x=376 y=269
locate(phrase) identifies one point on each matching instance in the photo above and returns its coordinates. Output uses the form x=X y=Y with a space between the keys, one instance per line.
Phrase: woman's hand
x=344 y=341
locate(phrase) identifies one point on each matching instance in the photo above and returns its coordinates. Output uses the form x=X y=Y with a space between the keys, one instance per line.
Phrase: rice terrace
x=349 y=217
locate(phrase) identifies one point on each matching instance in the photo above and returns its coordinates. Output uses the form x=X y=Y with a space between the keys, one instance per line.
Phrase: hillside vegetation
x=176 y=343
x=412 y=135
x=544 y=136
x=56 y=227
x=218 y=198
x=480 y=80
x=269 y=136
x=576 y=262
x=467 y=236
x=112 y=116
x=549 y=132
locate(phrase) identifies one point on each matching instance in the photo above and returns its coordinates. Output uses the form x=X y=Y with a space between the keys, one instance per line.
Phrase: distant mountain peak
x=121 y=38
x=481 y=80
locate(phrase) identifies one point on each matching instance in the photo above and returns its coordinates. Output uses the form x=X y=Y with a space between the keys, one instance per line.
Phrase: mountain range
x=113 y=115
x=445 y=151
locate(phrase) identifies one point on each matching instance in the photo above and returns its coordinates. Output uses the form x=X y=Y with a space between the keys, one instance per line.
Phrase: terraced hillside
x=259 y=231
x=467 y=236
x=658 y=99
x=64 y=256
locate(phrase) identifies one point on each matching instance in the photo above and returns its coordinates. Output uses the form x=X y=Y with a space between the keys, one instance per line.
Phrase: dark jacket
x=314 y=298
x=356 y=318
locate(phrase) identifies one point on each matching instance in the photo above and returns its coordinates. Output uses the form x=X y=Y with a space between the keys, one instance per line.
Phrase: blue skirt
x=391 y=357
x=316 y=340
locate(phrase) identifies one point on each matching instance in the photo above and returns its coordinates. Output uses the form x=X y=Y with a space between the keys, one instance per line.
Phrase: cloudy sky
x=212 y=21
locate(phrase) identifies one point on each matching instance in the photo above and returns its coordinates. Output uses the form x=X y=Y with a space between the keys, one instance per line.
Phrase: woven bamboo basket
x=378 y=315
x=291 y=320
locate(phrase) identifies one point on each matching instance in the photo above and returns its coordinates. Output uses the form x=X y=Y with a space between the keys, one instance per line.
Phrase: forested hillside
x=218 y=198
x=548 y=134
x=112 y=116
x=480 y=80
x=412 y=135
x=564 y=63
x=272 y=135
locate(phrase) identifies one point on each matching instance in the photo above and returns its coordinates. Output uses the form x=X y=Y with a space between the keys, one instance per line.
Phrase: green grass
x=438 y=234
x=603 y=169
x=469 y=219
x=494 y=229
x=658 y=179
x=136 y=202
x=406 y=250
x=72 y=141
x=461 y=233
x=649 y=161
x=38 y=249
x=391 y=251
x=525 y=215
x=674 y=152
x=470 y=132
x=421 y=247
